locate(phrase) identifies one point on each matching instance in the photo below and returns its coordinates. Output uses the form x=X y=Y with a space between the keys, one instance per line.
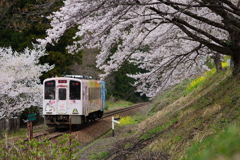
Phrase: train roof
x=81 y=77
x=78 y=76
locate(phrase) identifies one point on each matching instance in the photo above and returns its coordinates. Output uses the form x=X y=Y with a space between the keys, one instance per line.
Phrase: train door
x=85 y=98
x=75 y=97
x=103 y=92
x=62 y=100
x=49 y=97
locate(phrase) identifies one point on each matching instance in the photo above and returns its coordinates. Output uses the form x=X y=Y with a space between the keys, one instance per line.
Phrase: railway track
x=47 y=134
x=52 y=133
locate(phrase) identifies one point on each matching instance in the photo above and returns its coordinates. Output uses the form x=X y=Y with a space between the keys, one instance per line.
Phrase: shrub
x=195 y=83
x=40 y=149
x=127 y=120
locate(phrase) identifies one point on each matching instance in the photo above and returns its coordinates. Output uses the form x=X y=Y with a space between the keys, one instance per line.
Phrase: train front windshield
x=62 y=94
x=75 y=89
x=49 y=90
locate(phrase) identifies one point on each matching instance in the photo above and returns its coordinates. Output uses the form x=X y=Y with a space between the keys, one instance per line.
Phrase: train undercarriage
x=64 y=121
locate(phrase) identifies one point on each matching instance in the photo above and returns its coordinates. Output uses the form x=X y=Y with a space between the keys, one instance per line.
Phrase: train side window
x=75 y=90
x=99 y=93
x=49 y=90
x=62 y=94
x=89 y=94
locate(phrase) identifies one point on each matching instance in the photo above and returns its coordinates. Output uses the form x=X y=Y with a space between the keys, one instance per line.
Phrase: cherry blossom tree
x=166 y=37
x=20 y=84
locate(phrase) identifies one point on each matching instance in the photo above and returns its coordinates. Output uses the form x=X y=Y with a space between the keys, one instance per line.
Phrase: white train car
x=77 y=97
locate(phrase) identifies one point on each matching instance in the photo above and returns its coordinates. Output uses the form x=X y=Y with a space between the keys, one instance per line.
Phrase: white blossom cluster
x=176 y=34
x=19 y=77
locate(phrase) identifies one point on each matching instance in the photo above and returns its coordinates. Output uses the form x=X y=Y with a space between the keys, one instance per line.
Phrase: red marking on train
x=52 y=102
x=62 y=85
x=62 y=81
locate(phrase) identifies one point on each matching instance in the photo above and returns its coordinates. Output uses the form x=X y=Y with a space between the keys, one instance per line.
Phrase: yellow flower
x=200 y=80
x=126 y=120
x=224 y=64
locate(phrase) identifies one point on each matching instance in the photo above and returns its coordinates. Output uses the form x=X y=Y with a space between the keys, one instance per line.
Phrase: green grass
x=128 y=145
x=39 y=149
x=169 y=96
x=158 y=129
x=21 y=134
x=133 y=132
x=223 y=145
x=201 y=119
x=98 y=155
x=120 y=103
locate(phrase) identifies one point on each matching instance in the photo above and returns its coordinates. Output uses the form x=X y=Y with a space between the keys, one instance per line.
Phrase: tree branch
x=176 y=20
x=223 y=50
x=227 y=17
x=200 y=18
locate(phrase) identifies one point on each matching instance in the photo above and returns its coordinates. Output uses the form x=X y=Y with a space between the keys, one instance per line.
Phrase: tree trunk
x=7 y=126
x=217 y=60
x=235 y=59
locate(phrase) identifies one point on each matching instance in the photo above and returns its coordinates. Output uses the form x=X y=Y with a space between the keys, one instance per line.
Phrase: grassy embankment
x=112 y=104
x=194 y=120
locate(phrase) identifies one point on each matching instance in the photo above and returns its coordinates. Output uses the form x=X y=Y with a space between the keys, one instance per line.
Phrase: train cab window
x=62 y=94
x=49 y=91
x=75 y=90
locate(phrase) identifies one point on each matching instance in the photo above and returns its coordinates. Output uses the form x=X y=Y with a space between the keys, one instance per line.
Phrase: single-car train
x=72 y=99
